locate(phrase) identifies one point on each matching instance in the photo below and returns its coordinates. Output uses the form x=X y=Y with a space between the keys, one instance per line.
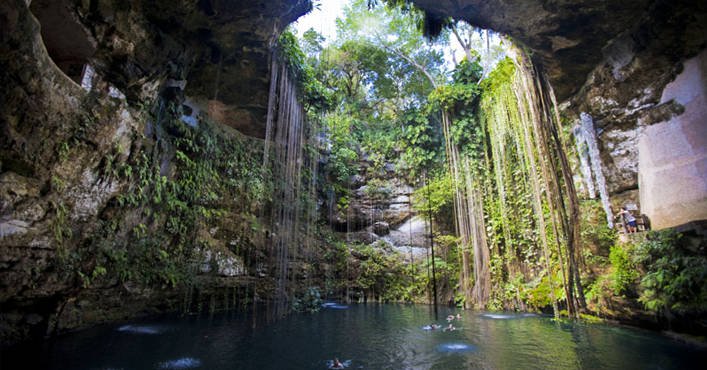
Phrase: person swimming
x=336 y=364
x=459 y=316
x=450 y=328
x=450 y=318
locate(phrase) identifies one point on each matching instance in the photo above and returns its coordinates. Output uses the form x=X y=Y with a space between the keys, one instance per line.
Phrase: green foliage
x=379 y=273
x=499 y=78
x=63 y=151
x=452 y=97
x=600 y=292
x=437 y=195
x=624 y=273
x=460 y=99
x=378 y=93
x=378 y=189
x=178 y=185
x=292 y=54
x=675 y=273
x=310 y=301
x=342 y=164
x=666 y=271
x=540 y=296
x=595 y=233
x=468 y=72
x=314 y=92
x=60 y=227
x=422 y=142
x=58 y=184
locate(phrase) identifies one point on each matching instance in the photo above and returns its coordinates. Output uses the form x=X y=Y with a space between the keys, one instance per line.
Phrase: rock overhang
x=222 y=48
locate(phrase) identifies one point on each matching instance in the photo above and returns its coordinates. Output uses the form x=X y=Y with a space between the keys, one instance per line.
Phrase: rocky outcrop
x=86 y=160
x=134 y=43
x=623 y=95
x=375 y=202
x=673 y=154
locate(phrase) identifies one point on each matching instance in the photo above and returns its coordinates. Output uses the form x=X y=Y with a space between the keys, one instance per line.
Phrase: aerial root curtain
x=521 y=173
x=284 y=155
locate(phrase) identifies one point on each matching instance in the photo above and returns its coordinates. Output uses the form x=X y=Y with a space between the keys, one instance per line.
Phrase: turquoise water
x=362 y=337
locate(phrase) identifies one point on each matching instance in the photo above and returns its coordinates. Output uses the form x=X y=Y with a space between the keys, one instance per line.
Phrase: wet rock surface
x=68 y=143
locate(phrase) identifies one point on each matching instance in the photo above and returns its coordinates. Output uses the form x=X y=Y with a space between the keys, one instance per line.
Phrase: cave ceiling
x=222 y=47
x=566 y=38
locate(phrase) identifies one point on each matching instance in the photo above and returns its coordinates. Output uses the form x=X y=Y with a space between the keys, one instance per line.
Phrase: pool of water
x=361 y=337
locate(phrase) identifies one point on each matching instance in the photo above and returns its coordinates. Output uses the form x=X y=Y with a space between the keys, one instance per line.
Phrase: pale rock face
x=673 y=154
x=370 y=204
x=91 y=195
x=12 y=227
x=621 y=169
x=226 y=263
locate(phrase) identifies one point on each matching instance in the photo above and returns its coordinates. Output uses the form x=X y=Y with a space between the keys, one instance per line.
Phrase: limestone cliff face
x=374 y=198
x=42 y=174
x=86 y=153
x=135 y=43
x=626 y=96
x=673 y=153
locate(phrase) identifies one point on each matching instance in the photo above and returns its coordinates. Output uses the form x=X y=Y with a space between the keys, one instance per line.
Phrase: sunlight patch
x=455 y=347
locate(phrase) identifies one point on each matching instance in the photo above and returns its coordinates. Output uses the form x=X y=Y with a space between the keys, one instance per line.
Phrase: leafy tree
x=675 y=274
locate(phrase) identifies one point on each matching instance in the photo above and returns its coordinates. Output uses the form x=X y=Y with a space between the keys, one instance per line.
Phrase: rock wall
x=110 y=207
x=672 y=155
x=624 y=96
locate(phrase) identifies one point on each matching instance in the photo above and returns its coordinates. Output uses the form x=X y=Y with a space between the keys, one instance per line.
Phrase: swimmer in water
x=337 y=364
x=450 y=328
x=450 y=318
x=459 y=316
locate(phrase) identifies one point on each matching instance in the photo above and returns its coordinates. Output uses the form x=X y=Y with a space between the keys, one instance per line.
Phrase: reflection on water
x=455 y=347
x=367 y=336
x=182 y=363
x=503 y=316
x=335 y=306
x=140 y=329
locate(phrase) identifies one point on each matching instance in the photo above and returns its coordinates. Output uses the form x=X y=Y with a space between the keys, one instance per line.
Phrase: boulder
x=381 y=228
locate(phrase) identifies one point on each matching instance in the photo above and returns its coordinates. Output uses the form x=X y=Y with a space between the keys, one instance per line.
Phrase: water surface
x=362 y=337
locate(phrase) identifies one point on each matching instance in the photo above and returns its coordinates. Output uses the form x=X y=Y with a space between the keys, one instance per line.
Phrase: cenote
x=278 y=184
x=364 y=336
